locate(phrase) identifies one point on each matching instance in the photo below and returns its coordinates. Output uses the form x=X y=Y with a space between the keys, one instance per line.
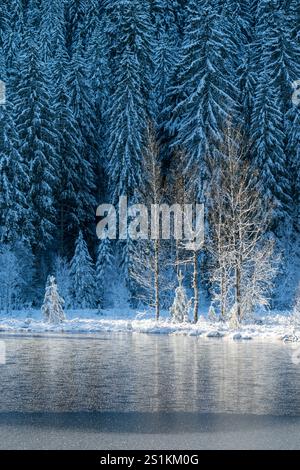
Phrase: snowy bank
x=271 y=327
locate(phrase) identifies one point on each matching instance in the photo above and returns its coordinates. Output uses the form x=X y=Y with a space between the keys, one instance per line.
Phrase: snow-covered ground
x=274 y=326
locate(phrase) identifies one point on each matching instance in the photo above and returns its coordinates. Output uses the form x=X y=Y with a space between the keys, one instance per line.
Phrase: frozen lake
x=147 y=391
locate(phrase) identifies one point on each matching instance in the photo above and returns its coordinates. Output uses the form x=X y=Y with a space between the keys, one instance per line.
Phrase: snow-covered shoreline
x=274 y=326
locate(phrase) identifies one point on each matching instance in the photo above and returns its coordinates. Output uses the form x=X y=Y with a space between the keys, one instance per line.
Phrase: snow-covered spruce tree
x=164 y=15
x=52 y=308
x=204 y=93
x=243 y=15
x=181 y=306
x=52 y=28
x=129 y=28
x=104 y=270
x=270 y=159
x=81 y=104
x=12 y=40
x=277 y=49
x=128 y=109
x=3 y=23
x=75 y=11
x=164 y=60
x=99 y=75
x=277 y=67
x=13 y=177
x=35 y=117
x=10 y=279
x=127 y=122
x=82 y=17
x=75 y=191
x=167 y=38
x=82 y=276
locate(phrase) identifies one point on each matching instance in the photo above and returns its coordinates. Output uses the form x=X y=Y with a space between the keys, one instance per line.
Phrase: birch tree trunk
x=156 y=280
x=196 y=286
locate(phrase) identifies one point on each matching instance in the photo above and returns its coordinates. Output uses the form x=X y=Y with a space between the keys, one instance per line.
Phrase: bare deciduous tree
x=147 y=254
x=184 y=191
x=242 y=270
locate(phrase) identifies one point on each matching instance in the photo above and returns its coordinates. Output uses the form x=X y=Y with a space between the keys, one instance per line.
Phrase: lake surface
x=135 y=391
x=148 y=374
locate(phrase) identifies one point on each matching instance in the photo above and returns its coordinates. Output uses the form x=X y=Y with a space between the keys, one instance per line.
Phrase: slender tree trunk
x=223 y=295
x=156 y=279
x=238 y=292
x=196 y=286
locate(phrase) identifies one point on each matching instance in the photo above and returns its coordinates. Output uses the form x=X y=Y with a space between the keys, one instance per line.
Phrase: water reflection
x=148 y=373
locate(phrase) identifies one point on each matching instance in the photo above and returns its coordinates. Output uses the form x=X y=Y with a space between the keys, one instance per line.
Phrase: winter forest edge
x=162 y=101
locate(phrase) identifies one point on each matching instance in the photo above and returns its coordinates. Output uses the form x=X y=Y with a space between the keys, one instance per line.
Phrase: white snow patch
x=271 y=327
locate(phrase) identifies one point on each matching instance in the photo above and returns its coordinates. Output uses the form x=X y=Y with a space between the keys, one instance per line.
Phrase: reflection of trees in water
x=135 y=372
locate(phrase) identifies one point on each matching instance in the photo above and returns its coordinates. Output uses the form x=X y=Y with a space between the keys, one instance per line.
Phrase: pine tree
x=181 y=306
x=164 y=16
x=75 y=191
x=13 y=180
x=278 y=53
x=35 y=117
x=3 y=23
x=82 y=106
x=99 y=78
x=99 y=75
x=128 y=27
x=268 y=148
x=52 y=28
x=75 y=20
x=204 y=95
x=52 y=308
x=277 y=67
x=128 y=108
x=164 y=59
x=127 y=122
x=104 y=269
x=13 y=42
x=83 y=276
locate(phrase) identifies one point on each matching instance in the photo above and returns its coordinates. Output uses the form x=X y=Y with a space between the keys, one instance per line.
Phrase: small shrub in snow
x=212 y=316
x=104 y=272
x=234 y=319
x=82 y=276
x=52 y=308
x=181 y=306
